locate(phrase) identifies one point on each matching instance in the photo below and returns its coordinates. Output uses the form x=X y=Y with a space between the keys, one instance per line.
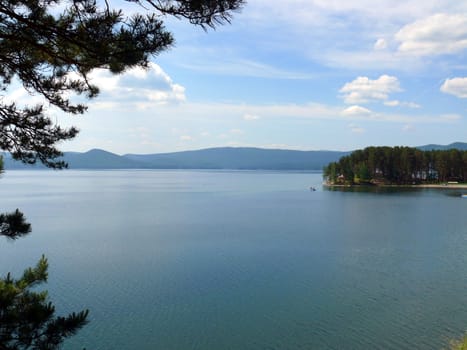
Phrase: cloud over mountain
x=364 y=89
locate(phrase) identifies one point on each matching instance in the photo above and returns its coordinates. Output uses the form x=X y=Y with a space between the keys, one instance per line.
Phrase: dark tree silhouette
x=27 y=318
x=52 y=54
x=51 y=47
x=399 y=166
x=14 y=225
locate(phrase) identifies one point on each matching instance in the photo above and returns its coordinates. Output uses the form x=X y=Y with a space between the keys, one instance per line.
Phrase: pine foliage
x=52 y=52
x=51 y=47
x=13 y=225
x=399 y=166
x=27 y=318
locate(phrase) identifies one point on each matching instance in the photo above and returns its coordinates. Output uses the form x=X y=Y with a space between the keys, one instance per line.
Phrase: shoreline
x=438 y=186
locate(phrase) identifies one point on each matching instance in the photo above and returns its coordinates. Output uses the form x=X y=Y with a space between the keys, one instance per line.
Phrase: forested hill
x=462 y=146
x=240 y=158
x=399 y=166
x=211 y=158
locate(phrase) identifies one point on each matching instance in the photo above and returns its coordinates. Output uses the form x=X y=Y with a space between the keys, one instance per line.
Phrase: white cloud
x=456 y=87
x=319 y=12
x=209 y=112
x=250 y=117
x=335 y=29
x=355 y=110
x=151 y=144
x=242 y=67
x=179 y=127
x=408 y=128
x=356 y=129
x=364 y=90
x=361 y=58
x=141 y=132
x=16 y=93
x=380 y=44
x=451 y=117
x=392 y=103
x=236 y=131
x=142 y=135
x=186 y=138
x=410 y=104
x=419 y=34
x=22 y=98
x=435 y=35
x=106 y=81
x=138 y=87
x=396 y=103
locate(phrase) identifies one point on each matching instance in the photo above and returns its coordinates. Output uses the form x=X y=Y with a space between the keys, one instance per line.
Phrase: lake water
x=243 y=260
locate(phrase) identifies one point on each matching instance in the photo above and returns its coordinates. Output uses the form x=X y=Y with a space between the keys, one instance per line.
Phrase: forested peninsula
x=387 y=166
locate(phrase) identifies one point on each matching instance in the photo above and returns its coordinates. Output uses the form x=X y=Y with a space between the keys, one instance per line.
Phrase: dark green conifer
x=399 y=166
x=50 y=47
x=52 y=54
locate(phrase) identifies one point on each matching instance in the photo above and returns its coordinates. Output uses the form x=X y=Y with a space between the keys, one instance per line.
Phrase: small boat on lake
x=464 y=195
x=312 y=189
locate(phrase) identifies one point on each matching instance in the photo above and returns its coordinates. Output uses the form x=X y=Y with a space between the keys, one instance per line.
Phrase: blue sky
x=296 y=74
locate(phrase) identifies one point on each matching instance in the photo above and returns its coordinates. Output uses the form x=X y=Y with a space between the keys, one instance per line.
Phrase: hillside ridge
x=229 y=158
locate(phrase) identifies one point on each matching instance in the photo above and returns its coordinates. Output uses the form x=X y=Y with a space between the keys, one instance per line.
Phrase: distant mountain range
x=211 y=158
x=456 y=145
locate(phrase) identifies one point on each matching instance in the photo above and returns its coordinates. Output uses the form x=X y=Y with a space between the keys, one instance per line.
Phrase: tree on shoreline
x=398 y=166
x=51 y=47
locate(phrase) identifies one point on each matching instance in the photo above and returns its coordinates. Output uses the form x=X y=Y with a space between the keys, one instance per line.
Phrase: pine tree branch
x=14 y=225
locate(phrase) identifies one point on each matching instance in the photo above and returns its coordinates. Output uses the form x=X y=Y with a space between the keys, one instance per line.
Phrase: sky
x=295 y=74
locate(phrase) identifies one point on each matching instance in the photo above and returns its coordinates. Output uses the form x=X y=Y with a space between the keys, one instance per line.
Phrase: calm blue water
x=243 y=260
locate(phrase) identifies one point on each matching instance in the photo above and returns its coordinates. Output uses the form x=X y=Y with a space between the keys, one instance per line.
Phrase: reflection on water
x=244 y=260
x=451 y=192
